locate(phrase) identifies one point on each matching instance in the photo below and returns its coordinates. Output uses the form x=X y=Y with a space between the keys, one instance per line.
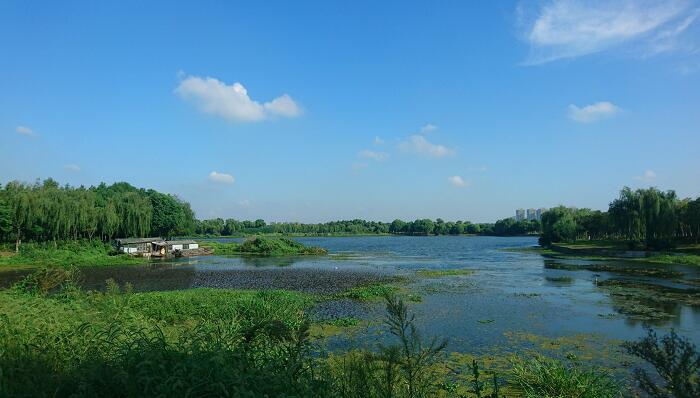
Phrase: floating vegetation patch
x=583 y=347
x=527 y=295
x=560 y=279
x=436 y=273
x=618 y=269
x=646 y=301
x=368 y=293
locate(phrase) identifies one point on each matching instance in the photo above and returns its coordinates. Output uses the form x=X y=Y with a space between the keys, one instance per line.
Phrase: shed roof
x=131 y=241
x=180 y=242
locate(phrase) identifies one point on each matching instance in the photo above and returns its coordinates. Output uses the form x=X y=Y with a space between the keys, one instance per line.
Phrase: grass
x=264 y=246
x=70 y=253
x=436 y=273
x=547 y=378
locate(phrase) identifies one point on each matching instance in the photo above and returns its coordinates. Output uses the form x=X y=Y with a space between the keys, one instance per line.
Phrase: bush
x=677 y=364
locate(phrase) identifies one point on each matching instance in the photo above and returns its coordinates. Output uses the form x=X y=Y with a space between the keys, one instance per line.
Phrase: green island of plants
x=264 y=246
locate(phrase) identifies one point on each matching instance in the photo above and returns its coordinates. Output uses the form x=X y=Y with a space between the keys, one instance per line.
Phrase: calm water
x=510 y=292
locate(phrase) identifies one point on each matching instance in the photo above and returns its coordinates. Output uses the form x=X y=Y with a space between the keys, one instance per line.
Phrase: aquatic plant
x=434 y=273
x=677 y=364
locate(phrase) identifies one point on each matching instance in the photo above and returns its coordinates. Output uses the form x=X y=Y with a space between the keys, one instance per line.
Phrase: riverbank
x=686 y=254
x=93 y=253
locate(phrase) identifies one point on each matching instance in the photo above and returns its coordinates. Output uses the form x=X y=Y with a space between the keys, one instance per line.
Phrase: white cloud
x=648 y=176
x=26 y=131
x=72 y=167
x=419 y=145
x=377 y=156
x=378 y=141
x=593 y=112
x=232 y=102
x=458 y=181
x=221 y=178
x=428 y=128
x=572 y=28
x=244 y=203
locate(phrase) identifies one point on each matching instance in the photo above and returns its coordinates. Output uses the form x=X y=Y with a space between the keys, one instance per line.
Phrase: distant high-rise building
x=539 y=213
x=520 y=215
x=531 y=214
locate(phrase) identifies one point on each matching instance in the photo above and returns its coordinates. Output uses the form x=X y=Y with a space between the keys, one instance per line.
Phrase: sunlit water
x=509 y=292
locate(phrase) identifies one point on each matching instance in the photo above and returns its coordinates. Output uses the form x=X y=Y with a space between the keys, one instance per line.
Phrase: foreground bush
x=677 y=364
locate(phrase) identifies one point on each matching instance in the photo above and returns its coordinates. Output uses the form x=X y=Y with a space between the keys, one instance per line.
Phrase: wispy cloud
x=378 y=141
x=593 y=112
x=244 y=203
x=419 y=145
x=427 y=128
x=458 y=181
x=25 y=131
x=668 y=39
x=221 y=178
x=373 y=155
x=648 y=176
x=232 y=102
x=72 y=167
x=572 y=28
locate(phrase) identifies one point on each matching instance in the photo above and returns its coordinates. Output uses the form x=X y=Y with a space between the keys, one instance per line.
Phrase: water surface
x=511 y=294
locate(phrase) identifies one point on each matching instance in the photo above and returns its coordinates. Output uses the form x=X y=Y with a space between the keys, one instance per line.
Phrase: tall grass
x=547 y=378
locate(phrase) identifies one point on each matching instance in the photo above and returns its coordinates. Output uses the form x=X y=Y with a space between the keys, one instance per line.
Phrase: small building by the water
x=181 y=245
x=154 y=247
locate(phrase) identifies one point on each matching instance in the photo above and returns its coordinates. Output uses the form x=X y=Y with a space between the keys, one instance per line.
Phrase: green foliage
x=44 y=211
x=232 y=227
x=645 y=219
x=677 y=364
x=548 y=378
x=510 y=227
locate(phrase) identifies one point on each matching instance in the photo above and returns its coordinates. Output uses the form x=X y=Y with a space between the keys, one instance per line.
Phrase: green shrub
x=677 y=363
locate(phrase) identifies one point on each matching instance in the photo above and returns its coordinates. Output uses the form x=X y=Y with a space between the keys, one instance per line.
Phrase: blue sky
x=314 y=111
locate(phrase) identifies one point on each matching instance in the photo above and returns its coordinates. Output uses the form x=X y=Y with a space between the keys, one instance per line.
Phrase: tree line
x=45 y=211
x=644 y=218
x=420 y=227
